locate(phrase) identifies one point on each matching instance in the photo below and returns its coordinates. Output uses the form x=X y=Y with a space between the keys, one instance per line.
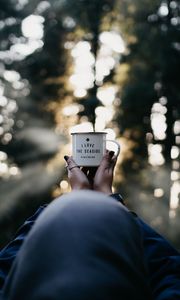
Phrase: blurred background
x=83 y=65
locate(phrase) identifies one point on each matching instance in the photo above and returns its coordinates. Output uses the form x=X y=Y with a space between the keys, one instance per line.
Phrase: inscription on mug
x=87 y=150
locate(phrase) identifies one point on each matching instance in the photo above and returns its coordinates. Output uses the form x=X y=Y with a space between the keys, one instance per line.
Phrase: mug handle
x=118 y=146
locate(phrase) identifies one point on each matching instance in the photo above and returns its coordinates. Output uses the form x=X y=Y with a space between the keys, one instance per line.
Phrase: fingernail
x=111 y=153
x=66 y=157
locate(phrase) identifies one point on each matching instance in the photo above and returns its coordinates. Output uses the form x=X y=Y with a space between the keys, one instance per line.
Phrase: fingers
x=109 y=160
x=91 y=177
x=71 y=165
x=78 y=180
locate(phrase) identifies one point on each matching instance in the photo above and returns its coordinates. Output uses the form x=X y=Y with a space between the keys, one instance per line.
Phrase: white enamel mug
x=88 y=148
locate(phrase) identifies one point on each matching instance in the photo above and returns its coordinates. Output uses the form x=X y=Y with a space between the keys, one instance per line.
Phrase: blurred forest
x=111 y=65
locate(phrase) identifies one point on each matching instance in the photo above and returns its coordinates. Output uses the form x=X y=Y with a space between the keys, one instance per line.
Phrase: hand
x=98 y=179
x=78 y=179
x=104 y=175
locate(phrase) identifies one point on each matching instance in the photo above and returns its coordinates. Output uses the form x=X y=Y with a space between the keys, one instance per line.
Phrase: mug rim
x=99 y=132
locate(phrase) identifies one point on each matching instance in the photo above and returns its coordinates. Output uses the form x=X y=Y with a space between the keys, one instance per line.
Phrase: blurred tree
x=10 y=29
x=89 y=16
x=45 y=68
x=149 y=79
x=32 y=62
x=149 y=69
